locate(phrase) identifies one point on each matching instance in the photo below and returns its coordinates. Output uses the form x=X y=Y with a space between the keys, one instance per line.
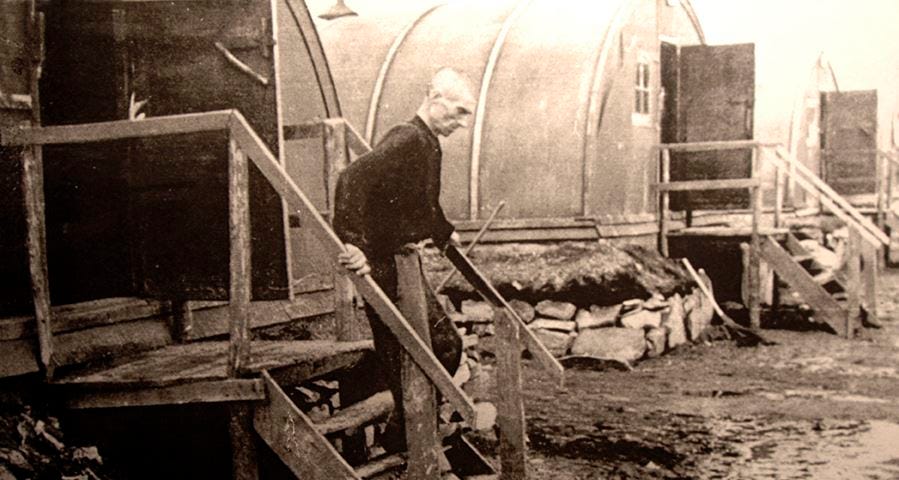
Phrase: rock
x=642 y=319
x=700 y=318
x=551 y=324
x=674 y=322
x=446 y=303
x=484 y=329
x=656 y=302
x=16 y=459
x=623 y=344
x=469 y=341
x=477 y=311
x=656 y=341
x=524 y=310
x=691 y=301
x=557 y=343
x=631 y=305
x=557 y=310
x=597 y=317
x=486 y=415
x=463 y=374
x=5 y=474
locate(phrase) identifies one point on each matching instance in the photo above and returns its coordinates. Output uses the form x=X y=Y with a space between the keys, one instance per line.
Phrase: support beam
x=244 y=458
x=853 y=282
x=870 y=270
x=664 y=202
x=755 y=279
x=74 y=396
x=419 y=400
x=701 y=185
x=36 y=239
x=240 y=273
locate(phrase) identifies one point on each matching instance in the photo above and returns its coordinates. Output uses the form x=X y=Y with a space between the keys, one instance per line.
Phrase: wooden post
x=419 y=398
x=182 y=320
x=33 y=191
x=879 y=189
x=244 y=460
x=510 y=406
x=664 y=202
x=336 y=160
x=853 y=282
x=778 y=196
x=871 y=267
x=755 y=283
x=891 y=173
x=240 y=273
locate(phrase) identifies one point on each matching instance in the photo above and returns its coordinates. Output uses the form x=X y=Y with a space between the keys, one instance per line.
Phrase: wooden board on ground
x=589 y=362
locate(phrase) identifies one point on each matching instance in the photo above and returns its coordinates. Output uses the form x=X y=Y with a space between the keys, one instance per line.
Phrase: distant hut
x=571 y=101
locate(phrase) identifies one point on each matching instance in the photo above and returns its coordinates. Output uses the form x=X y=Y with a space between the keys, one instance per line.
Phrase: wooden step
x=826 y=308
x=381 y=465
x=358 y=414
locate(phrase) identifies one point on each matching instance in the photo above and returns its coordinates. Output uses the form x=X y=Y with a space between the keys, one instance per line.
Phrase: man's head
x=449 y=103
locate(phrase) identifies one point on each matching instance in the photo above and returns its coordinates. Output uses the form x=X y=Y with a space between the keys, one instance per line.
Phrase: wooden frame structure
x=425 y=373
x=865 y=239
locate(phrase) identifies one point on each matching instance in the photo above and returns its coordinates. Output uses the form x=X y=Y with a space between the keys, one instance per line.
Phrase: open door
x=849 y=141
x=712 y=94
x=149 y=217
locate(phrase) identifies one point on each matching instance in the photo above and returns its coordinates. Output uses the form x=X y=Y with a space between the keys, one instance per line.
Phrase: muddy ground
x=813 y=406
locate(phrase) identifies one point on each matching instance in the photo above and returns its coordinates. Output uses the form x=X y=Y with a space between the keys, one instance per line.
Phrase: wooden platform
x=197 y=373
x=727 y=231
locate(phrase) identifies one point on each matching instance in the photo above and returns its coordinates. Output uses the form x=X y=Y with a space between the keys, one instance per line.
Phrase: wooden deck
x=198 y=373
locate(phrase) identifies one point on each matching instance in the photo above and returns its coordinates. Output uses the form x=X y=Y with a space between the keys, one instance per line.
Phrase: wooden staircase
x=836 y=299
x=251 y=376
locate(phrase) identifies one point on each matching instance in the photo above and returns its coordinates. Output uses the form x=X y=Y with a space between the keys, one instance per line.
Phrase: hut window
x=642 y=88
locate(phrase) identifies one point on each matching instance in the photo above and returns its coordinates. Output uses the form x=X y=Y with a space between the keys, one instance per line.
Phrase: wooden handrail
x=268 y=164
x=117 y=129
x=866 y=227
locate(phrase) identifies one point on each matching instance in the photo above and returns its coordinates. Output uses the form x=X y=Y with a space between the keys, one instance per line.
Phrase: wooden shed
x=572 y=98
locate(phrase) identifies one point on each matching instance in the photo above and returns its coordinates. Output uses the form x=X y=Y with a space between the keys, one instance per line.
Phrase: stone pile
x=626 y=332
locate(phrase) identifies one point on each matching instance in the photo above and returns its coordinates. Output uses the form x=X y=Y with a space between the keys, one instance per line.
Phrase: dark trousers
x=445 y=342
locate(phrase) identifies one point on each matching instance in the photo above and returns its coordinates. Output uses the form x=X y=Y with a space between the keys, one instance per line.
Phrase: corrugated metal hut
x=571 y=100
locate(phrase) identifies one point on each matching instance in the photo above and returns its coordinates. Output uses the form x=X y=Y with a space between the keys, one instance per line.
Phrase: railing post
x=871 y=259
x=853 y=282
x=510 y=405
x=240 y=272
x=664 y=201
x=419 y=398
x=778 y=196
x=878 y=189
x=336 y=160
x=755 y=283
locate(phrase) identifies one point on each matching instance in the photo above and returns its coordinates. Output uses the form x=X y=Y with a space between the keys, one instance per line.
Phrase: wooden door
x=849 y=141
x=714 y=99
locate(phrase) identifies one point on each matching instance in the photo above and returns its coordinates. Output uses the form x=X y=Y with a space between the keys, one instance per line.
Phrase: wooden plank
x=240 y=273
x=489 y=294
x=700 y=185
x=510 y=404
x=419 y=400
x=710 y=146
x=358 y=414
x=293 y=437
x=182 y=320
x=727 y=231
x=118 y=129
x=778 y=197
x=36 y=240
x=664 y=203
x=411 y=342
x=213 y=321
x=381 y=465
x=244 y=461
x=826 y=308
x=214 y=391
x=15 y=101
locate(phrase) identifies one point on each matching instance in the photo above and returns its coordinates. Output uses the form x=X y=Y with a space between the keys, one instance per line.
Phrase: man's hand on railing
x=354 y=260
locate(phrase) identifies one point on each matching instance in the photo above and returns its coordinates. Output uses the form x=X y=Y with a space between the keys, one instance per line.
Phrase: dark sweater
x=391 y=196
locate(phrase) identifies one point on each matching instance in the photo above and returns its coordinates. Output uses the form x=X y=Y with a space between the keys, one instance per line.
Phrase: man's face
x=450 y=112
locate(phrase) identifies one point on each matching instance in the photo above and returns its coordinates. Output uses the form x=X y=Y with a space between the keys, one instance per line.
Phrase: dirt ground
x=812 y=406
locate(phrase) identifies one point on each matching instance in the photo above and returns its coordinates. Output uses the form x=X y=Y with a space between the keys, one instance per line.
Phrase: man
x=389 y=198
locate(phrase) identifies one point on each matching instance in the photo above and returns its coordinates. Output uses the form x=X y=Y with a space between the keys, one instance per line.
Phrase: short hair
x=448 y=79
